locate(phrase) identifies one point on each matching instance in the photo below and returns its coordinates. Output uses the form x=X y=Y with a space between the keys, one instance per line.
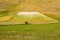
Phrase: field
x=50 y=8
x=30 y=32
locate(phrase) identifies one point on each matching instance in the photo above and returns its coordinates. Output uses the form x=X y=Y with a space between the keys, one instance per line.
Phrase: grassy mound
x=34 y=19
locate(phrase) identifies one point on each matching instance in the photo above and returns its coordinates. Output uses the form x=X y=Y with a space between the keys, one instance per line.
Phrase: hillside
x=47 y=7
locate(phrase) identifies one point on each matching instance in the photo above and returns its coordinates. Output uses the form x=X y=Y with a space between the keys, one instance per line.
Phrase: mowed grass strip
x=30 y=32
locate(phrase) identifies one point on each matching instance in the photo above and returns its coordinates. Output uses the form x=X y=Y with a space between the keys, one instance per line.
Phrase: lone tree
x=26 y=22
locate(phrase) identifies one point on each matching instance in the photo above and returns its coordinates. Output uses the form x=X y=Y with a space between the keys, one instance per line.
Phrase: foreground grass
x=30 y=32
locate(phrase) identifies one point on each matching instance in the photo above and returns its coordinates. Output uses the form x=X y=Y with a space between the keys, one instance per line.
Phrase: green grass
x=35 y=31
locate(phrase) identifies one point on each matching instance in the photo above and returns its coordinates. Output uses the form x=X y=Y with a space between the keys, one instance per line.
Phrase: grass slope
x=30 y=32
x=50 y=7
x=5 y=17
x=41 y=5
x=34 y=19
x=55 y=16
x=32 y=5
x=8 y=14
x=8 y=9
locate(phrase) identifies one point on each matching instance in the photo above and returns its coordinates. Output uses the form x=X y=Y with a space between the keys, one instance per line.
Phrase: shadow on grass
x=14 y=24
x=29 y=24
